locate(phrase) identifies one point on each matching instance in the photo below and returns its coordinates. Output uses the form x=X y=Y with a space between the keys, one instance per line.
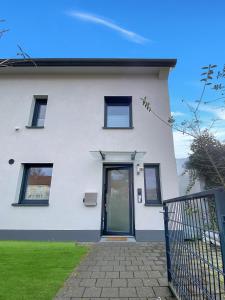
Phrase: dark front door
x=118 y=200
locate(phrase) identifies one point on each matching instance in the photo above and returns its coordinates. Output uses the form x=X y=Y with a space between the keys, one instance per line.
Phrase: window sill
x=154 y=204
x=30 y=204
x=35 y=127
x=117 y=127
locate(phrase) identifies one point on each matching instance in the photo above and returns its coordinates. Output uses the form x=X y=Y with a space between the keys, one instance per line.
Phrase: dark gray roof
x=92 y=62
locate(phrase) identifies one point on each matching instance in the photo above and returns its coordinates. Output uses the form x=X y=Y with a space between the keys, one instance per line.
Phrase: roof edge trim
x=91 y=62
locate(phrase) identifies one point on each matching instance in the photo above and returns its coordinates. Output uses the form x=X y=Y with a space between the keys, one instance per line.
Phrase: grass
x=36 y=270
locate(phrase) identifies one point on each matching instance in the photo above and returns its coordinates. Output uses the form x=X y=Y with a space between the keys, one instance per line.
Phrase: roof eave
x=90 y=62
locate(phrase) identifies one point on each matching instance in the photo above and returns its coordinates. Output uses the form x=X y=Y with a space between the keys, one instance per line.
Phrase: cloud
x=182 y=144
x=177 y=114
x=217 y=112
x=87 y=17
x=219 y=131
x=208 y=113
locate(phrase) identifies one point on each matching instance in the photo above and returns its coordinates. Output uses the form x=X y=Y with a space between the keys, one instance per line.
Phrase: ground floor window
x=36 y=184
x=152 y=184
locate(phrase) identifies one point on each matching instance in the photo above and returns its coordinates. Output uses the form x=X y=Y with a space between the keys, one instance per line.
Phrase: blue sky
x=191 y=31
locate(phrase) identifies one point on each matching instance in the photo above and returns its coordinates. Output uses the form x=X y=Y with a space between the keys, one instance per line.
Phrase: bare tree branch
x=10 y=61
x=200 y=130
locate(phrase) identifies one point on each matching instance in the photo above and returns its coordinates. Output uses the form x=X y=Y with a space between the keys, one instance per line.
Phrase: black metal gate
x=195 y=245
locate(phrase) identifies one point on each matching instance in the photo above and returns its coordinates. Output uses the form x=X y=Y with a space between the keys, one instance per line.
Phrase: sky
x=191 y=31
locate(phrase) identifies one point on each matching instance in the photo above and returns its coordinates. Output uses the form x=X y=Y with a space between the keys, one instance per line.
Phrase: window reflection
x=39 y=112
x=118 y=116
x=152 y=186
x=37 y=183
x=118 y=111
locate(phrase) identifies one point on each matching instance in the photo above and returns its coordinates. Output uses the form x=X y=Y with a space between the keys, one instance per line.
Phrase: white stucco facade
x=74 y=127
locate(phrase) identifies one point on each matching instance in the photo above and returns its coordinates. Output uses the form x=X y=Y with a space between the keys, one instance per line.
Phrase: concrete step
x=117 y=238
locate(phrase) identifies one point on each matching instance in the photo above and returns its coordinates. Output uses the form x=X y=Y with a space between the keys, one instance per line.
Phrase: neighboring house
x=80 y=156
x=184 y=179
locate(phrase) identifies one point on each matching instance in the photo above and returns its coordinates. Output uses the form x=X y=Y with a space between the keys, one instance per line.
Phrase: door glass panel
x=117 y=201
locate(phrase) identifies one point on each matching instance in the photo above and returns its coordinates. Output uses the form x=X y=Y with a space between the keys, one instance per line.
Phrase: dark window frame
x=22 y=199
x=114 y=101
x=37 y=105
x=149 y=202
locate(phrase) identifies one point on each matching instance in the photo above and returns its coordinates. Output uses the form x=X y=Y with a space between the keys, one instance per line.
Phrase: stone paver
x=135 y=282
x=110 y=292
x=104 y=283
x=119 y=270
x=128 y=292
x=119 y=282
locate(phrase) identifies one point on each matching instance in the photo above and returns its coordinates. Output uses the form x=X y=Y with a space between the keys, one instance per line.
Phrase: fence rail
x=195 y=245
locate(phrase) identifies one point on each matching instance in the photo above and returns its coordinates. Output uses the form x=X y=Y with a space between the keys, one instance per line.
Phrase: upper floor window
x=118 y=112
x=152 y=184
x=40 y=106
x=36 y=184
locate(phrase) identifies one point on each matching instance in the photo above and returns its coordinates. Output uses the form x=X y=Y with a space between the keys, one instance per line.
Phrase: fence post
x=220 y=211
x=166 y=226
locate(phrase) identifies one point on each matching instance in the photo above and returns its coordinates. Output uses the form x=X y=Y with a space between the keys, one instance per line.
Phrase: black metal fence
x=195 y=245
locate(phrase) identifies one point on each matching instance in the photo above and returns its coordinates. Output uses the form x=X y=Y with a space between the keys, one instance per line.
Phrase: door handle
x=139 y=195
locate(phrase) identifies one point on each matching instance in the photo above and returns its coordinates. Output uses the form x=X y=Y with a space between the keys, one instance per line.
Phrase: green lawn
x=36 y=270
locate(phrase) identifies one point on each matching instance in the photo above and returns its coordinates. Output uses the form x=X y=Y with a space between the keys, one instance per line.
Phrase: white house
x=80 y=157
x=184 y=179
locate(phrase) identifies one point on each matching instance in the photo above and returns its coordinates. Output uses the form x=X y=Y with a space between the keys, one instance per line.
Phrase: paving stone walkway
x=119 y=270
